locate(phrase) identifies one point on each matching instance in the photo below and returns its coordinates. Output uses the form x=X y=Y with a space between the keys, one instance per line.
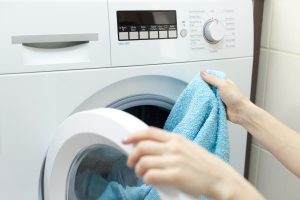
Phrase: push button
x=153 y=34
x=173 y=34
x=144 y=35
x=134 y=35
x=183 y=33
x=163 y=34
x=123 y=35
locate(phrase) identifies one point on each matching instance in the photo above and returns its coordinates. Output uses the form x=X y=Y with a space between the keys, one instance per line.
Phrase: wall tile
x=283 y=88
x=256 y=142
x=275 y=181
x=262 y=77
x=266 y=24
x=261 y=82
x=278 y=92
x=285 y=26
x=254 y=163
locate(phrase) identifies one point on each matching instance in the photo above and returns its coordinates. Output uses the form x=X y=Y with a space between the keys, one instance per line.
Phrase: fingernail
x=129 y=165
x=203 y=73
x=125 y=140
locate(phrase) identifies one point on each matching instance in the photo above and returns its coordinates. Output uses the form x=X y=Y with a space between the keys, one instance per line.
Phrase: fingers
x=145 y=148
x=150 y=133
x=169 y=176
x=215 y=81
x=147 y=163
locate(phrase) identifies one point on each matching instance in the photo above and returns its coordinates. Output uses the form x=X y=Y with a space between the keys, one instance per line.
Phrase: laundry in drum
x=104 y=175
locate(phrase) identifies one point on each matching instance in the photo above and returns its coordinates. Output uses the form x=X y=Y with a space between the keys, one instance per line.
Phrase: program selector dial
x=213 y=31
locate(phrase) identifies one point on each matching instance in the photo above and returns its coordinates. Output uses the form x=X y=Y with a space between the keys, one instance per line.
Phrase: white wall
x=279 y=93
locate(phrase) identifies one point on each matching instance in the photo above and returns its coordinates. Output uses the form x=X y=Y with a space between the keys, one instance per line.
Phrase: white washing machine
x=59 y=58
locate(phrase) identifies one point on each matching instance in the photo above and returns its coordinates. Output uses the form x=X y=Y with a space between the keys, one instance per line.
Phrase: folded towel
x=199 y=115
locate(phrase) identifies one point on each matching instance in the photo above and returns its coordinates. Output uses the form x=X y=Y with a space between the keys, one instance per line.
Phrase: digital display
x=147 y=25
x=146 y=17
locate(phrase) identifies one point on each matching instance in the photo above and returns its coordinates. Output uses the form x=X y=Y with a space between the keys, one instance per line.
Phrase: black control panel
x=146 y=25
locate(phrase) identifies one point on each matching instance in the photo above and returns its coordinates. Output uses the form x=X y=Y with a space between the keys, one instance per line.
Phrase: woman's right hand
x=230 y=94
x=163 y=158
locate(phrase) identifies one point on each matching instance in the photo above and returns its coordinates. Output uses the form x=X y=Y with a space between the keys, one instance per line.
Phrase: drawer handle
x=54 y=41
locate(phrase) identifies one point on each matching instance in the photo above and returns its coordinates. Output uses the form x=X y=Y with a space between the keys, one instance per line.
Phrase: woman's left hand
x=161 y=157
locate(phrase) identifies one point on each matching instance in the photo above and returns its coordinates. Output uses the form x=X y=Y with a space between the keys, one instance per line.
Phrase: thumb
x=215 y=81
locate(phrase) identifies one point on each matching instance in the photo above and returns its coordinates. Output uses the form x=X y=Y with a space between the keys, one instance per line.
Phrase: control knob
x=213 y=31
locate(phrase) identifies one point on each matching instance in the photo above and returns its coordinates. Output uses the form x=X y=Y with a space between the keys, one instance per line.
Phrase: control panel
x=204 y=27
x=154 y=31
x=146 y=25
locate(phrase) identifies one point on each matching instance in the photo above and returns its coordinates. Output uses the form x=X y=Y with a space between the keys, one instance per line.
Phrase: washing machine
x=65 y=64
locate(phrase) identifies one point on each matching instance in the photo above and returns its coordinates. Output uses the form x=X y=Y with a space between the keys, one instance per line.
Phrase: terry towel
x=199 y=115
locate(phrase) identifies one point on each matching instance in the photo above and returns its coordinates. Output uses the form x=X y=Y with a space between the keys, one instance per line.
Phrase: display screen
x=147 y=25
x=146 y=17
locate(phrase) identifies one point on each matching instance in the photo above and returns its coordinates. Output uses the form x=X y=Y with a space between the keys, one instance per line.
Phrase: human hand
x=230 y=94
x=161 y=157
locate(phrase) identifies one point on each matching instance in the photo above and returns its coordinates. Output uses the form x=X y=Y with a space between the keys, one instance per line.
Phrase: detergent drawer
x=49 y=35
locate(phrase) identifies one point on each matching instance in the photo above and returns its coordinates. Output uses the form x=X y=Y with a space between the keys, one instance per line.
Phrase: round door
x=87 y=160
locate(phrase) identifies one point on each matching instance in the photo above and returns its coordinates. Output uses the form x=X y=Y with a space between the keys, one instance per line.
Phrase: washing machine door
x=87 y=160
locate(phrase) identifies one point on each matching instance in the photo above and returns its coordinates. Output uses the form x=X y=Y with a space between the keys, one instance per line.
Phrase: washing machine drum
x=87 y=161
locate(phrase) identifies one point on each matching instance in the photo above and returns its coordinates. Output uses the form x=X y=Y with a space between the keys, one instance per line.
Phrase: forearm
x=281 y=141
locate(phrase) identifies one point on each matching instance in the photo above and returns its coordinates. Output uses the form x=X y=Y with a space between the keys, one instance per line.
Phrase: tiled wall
x=278 y=92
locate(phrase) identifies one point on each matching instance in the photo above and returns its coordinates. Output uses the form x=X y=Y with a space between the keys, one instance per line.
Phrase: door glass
x=100 y=172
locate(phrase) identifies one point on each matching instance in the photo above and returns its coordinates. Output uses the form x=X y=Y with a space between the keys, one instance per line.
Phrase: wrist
x=228 y=184
x=245 y=111
x=228 y=187
x=237 y=188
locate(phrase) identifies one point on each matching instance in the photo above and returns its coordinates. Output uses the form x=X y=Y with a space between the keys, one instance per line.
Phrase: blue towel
x=94 y=186
x=199 y=115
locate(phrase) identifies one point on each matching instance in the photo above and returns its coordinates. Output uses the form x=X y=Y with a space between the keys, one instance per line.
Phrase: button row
x=133 y=28
x=144 y=35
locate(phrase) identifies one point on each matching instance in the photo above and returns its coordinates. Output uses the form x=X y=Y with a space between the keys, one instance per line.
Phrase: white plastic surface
x=101 y=126
x=31 y=18
x=235 y=15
